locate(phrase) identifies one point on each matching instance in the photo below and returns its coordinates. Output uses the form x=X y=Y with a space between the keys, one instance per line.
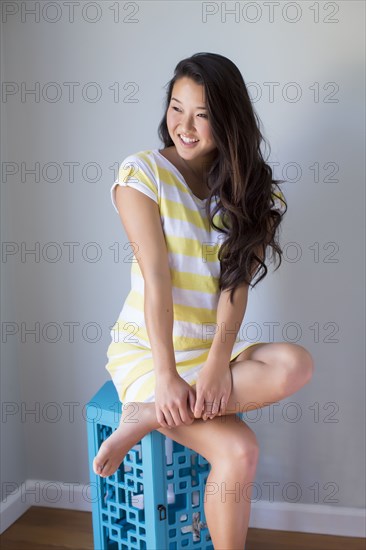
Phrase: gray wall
x=316 y=297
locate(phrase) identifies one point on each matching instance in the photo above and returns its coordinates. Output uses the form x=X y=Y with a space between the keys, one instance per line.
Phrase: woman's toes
x=108 y=457
x=113 y=450
x=108 y=470
x=100 y=459
x=100 y=470
x=97 y=467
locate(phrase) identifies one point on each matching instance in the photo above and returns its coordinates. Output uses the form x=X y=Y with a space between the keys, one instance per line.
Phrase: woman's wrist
x=217 y=363
x=166 y=372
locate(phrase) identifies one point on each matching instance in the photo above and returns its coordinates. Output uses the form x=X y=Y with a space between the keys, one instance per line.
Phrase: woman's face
x=187 y=117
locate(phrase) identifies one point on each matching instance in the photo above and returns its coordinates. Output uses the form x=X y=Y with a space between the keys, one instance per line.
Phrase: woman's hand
x=174 y=400
x=213 y=389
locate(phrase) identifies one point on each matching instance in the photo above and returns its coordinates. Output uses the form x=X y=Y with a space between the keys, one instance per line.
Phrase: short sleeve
x=279 y=201
x=137 y=173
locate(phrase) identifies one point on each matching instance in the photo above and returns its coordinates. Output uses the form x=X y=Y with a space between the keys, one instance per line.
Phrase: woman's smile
x=187 y=142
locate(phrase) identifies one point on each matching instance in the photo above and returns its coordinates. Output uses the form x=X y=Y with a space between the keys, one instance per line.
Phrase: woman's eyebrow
x=175 y=99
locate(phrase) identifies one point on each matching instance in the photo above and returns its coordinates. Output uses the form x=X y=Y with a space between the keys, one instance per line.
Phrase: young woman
x=199 y=214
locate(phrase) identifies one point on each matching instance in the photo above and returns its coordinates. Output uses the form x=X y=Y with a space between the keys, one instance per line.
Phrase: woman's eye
x=200 y=114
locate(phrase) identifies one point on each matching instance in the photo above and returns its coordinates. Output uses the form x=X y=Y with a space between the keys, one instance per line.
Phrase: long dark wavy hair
x=239 y=176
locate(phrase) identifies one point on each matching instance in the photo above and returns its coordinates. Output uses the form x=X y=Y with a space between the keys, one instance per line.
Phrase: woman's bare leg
x=261 y=375
x=267 y=373
x=232 y=450
x=137 y=420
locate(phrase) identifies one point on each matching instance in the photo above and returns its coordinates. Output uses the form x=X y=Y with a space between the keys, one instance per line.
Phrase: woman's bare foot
x=137 y=420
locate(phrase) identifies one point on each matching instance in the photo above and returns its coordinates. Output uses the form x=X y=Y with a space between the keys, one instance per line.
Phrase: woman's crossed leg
x=262 y=374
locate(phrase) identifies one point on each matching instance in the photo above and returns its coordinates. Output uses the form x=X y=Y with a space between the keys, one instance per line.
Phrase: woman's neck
x=198 y=168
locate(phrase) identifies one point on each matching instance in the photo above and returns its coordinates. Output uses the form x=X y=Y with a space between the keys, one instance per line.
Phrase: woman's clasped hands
x=213 y=389
x=174 y=400
x=177 y=403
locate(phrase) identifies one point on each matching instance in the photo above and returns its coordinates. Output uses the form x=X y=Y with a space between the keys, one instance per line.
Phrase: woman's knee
x=241 y=452
x=298 y=367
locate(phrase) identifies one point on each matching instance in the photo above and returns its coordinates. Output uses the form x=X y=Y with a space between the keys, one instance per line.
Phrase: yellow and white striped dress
x=194 y=266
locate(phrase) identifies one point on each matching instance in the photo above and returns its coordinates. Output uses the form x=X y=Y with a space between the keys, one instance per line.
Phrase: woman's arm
x=158 y=307
x=214 y=382
x=229 y=319
x=141 y=220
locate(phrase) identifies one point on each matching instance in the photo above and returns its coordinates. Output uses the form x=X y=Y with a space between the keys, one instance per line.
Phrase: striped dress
x=194 y=267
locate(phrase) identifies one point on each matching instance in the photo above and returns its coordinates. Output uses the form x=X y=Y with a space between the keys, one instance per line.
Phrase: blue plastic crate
x=154 y=501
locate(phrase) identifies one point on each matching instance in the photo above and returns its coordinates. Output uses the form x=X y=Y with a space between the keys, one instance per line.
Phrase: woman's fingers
x=186 y=414
x=176 y=416
x=222 y=406
x=192 y=401
x=198 y=407
x=161 y=418
x=213 y=408
x=171 y=416
x=208 y=408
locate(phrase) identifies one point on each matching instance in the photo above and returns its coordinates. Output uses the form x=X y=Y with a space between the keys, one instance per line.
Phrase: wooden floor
x=56 y=529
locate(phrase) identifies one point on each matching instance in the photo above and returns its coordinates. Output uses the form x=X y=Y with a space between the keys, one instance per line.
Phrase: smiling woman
x=200 y=214
x=194 y=148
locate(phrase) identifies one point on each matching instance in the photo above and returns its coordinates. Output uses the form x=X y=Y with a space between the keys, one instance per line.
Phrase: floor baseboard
x=283 y=516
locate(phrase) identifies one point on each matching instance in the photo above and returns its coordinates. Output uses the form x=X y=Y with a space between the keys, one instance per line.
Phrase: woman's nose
x=187 y=123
